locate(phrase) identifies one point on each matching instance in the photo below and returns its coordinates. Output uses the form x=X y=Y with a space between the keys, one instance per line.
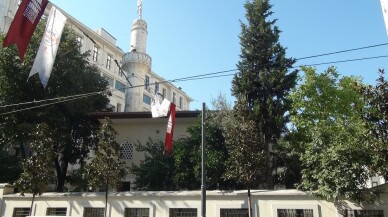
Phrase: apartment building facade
x=132 y=81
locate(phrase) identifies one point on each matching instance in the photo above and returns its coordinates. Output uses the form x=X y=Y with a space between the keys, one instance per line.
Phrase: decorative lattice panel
x=126 y=150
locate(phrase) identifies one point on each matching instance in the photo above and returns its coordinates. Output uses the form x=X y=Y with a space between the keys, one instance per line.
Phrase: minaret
x=136 y=63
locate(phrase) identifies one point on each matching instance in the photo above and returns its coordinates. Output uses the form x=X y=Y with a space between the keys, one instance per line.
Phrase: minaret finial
x=139 y=8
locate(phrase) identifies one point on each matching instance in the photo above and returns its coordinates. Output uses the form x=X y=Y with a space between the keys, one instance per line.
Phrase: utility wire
x=196 y=76
x=53 y=99
x=214 y=74
x=342 y=51
x=122 y=72
x=344 y=61
x=189 y=78
x=43 y=105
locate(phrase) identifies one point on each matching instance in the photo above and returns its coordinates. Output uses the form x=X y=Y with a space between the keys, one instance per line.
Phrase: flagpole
x=203 y=178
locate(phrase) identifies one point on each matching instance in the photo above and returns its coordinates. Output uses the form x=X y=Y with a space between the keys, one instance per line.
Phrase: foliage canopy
x=71 y=75
x=262 y=83
x=329 y=135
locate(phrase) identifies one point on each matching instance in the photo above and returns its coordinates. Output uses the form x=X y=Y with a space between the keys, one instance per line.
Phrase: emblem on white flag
x=159 y=109
x=47 y=52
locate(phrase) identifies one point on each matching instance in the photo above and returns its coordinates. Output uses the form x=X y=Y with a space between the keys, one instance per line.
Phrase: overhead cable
x=342 y=51
x=189 y=78
x=43 y=105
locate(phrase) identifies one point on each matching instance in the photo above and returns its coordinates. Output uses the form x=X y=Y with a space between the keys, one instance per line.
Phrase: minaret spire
x=139 y=8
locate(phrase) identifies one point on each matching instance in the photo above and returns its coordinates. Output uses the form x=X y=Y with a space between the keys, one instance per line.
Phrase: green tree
x=288 y=164
x=182 y=170
x=263 y=80
x=38 y=170
x=10 y=166
x=187 y=157
x=156 y=171
x=220 y=112
x=71 y=75
x=376 y=119
x=246 y=149
x=106 y=170
x=328 y=134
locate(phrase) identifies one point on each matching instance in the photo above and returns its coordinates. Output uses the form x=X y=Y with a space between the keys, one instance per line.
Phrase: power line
x=344 y=61
x=43 y=105
x=189 y=78
x=52 y=99
x=196 y=76
x=342 y=51
x=206 y=77
x=210 y=75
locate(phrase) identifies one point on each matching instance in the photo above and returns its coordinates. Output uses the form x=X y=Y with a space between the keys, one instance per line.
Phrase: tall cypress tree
x=264 y=80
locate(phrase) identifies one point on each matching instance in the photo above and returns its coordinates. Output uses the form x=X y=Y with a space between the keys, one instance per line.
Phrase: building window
x=80 y=41
x=164 y=93
x=137 y=212
x=95 y=53
x=56 y=211
x=156 y=87
x=173 y=97
x=125 y=186
x=93 y=212
x=126 y=150
x=21 y=212
x=374 y=184
x=120 y=86
x=183 y=212
x=234 y=212
x=361 y=213
x=108 y=61
x=180 y=102
x=147 y=99
x=118 y=107
x=146 y=82
x=295 y=213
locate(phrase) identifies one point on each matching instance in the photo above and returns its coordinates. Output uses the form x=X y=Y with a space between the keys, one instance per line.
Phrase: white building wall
x=142 y=130
x=264 y=203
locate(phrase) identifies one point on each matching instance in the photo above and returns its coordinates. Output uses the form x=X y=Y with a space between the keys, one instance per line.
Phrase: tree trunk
x=61 y=168
x=267 y=148
x=269 y=169
x=32 y=203
x=249 y=203
x=106 y=198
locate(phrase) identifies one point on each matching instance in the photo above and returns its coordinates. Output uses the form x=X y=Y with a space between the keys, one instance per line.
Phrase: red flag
x=24 y=24
x=170 y=129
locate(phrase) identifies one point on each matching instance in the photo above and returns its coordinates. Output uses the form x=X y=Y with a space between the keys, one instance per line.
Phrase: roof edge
x=137 y=115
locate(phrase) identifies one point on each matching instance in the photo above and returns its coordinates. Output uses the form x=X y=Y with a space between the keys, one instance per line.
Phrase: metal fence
x=295 y=213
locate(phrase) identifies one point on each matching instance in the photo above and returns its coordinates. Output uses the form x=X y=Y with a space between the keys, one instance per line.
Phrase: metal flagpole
x=203 y=178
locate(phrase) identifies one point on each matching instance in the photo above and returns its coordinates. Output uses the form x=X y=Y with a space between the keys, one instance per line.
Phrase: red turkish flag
x=23 y=25
x=170 y=129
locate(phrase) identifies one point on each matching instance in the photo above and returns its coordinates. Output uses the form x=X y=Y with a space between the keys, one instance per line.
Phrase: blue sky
x=188 y=38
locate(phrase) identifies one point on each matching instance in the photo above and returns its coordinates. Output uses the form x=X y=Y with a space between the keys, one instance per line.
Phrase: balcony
x=137 y=57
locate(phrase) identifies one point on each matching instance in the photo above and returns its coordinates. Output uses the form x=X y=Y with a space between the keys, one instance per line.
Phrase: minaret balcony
x=137 y=57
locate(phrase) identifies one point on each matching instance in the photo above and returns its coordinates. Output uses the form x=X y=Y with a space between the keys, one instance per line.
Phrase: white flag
x=384 y=7
x=44 y=60
x=160 y=110
x=155 y=106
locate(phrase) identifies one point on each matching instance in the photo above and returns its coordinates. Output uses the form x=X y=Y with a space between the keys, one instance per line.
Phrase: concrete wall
x=264 y=203
x=142 y=130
